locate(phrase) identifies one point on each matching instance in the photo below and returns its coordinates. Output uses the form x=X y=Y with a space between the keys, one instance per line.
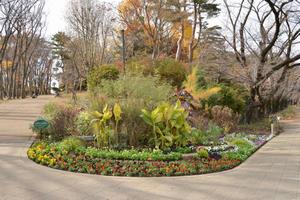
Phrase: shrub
x=105 y=72
x=70 y=144
x=171 y=70
x=149 y=90
x=63 y=122
x=225 y=118
x=83 y=123
x=202 y=153
x=233 y=96
x=133 y=93
x=50 y=110
x=140 y=65
x=169 y=125
x=210 y=136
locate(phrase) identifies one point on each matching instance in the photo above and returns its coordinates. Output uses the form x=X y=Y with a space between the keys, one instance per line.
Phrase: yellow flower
x=52 y=162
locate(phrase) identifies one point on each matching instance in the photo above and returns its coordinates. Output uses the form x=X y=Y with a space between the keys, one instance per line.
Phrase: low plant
x=50 y=154
x=83 y=123
x=62 y=120
x=169 y=125
x=245 y=149
x=202 y=153
x=70 y=144
x=50 y=110
x=184 y=150
x=208 y=137
x=132 y=155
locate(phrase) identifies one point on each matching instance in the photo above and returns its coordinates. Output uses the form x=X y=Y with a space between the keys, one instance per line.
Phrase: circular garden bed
x=72 y=155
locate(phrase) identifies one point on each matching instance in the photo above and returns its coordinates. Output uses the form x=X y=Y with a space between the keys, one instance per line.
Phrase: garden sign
x=41 y=124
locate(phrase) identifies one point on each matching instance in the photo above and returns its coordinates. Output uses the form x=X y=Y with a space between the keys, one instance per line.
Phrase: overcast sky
x=56 y=11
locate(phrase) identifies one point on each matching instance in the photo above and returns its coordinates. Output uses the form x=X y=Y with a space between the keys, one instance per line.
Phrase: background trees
x=25 y=62
x=258 y=47
x=264 y=36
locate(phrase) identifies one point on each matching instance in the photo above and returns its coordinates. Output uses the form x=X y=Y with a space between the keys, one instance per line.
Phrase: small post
x=123 y=50
x=272 y=129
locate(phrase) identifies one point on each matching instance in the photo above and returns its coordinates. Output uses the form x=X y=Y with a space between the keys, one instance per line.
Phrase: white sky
x=56 y=11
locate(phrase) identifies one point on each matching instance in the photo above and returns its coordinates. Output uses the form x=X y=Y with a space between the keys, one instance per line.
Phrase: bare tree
x=264 y=37
x=21 y=26
x=92 y=23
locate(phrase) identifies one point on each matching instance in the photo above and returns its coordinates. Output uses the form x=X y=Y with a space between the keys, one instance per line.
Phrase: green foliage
x=83 y=123
x=207 y=137
x=50 y=110
x=169 y=125
x=60 y=41
x=148 y=90
x=202 y=153
x=245 y=149
x=184 y=150
x=140 y=65
x=133 y=93
x=122 y=163
x=132 y=155
x=104 y=72
x=106 y=134
x=171 y=70
x=70 y=144
x=230 y=95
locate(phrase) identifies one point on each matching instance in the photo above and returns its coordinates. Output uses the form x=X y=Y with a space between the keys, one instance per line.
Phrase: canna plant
x=117 y=116
x=169 y=125
x=103 y=125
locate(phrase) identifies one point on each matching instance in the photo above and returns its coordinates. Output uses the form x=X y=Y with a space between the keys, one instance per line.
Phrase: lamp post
x=123 y=50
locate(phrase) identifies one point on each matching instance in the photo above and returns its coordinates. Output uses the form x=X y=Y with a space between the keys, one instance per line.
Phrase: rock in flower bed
x=96 y=161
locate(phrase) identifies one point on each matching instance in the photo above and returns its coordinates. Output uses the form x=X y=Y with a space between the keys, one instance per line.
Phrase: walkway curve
x=271 y=173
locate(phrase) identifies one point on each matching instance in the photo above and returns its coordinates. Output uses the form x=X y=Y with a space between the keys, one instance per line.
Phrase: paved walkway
x=271 y=173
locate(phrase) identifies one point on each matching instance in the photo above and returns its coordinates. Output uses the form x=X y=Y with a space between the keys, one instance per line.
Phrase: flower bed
x=129 y=162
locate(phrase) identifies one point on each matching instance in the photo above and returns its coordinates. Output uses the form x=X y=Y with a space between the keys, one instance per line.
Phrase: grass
x=288 y=113
x=67 y=97
x=262 y=126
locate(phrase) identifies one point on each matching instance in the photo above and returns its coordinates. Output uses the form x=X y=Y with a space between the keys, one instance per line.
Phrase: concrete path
x=271 y=173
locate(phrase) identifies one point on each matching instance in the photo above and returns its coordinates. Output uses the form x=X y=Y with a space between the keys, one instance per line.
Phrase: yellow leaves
x=188 y=32
x=199 y=94
x=205 y=94
x=127 y=5
x=6 y=64
x=117 y=112
x=190 y=84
